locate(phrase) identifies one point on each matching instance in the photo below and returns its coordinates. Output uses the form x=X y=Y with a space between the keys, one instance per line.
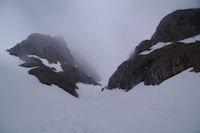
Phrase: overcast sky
x=105 y=32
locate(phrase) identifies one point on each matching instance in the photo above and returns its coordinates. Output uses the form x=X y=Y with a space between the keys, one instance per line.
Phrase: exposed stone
x=156 y=67
x=178 y=25
x=55 y=50
x=163 y=63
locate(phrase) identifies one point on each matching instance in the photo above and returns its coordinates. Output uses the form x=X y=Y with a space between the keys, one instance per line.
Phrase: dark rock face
x=44 y=46
x=143 y=46
x=54 y=50
x=178 y=25
x=163 y=63
x=154 y=68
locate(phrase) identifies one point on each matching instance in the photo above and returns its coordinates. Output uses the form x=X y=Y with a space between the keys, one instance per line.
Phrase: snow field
x=28 y=106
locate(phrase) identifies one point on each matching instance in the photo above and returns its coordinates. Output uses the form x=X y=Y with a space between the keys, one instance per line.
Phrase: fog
x=104 y=32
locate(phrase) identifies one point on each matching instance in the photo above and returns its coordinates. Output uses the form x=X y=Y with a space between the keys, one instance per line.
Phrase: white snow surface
x=163 y=44
x=191 y=39
x=30 y=107
x=57 y=65
x=156 y=46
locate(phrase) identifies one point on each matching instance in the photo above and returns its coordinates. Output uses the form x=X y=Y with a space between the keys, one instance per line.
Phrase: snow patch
x=57 y=66
x=191 y=39
x=163 y=44
x=76 y=66
x=156 y=46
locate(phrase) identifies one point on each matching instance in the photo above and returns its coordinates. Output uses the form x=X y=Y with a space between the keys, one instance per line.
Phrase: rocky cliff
x=162 y=57
x=51 y=62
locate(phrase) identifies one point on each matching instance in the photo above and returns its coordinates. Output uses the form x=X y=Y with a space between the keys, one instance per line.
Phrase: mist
x=104 y=32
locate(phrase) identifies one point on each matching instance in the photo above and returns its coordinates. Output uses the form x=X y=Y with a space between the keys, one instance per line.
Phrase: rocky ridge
x=39 y=47
x=160 y=64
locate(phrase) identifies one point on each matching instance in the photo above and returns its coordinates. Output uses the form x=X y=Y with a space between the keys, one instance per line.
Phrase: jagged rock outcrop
x=155 y=67
x=178 y=25
x=38 y=47
x=53 y=49
x=159 y=65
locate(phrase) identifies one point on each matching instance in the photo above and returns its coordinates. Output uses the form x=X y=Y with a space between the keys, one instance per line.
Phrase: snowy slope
x=30 y=107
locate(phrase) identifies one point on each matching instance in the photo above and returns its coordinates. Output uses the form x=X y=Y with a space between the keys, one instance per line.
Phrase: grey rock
x=55 y=50
x=163 y=63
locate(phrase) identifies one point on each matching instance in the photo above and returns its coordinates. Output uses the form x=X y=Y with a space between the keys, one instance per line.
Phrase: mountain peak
x=51 y=62
x=162 y=57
